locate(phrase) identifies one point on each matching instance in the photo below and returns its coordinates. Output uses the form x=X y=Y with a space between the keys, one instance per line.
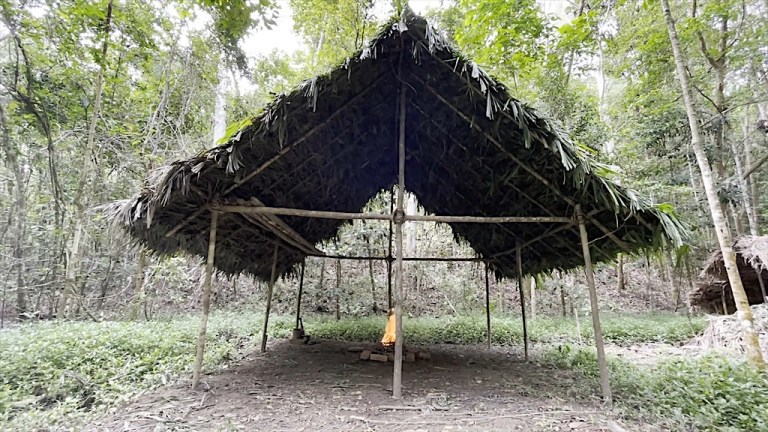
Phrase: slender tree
x=751 y=341
x=88 y=177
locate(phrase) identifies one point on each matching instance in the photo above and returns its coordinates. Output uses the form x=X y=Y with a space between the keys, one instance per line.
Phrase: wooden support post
x=270 y=288
x=206 y=301
x=301 y=290
x=399 y=219
x=389 y=285
x=519 y=257
x=604 y=377
x=488 y=306
x=389 y=251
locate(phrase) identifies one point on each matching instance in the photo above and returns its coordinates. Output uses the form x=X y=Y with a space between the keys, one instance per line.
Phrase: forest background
x=94 y=95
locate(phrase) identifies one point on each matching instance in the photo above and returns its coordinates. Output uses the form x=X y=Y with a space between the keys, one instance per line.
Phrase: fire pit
x=385 y=351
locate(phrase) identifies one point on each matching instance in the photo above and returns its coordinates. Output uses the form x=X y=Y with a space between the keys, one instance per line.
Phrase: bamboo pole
x=604 y=377
x=258 y=222
x=383 y=258
x=389 y=284
x=270 y=288
x=488 y=219
x=321 y=214
x=301 y=290
x=517 y=160
x=519 y=258
x=276 y=226
x=389 y=252
x=206 y=301
x=398 y=367
x=488 y=306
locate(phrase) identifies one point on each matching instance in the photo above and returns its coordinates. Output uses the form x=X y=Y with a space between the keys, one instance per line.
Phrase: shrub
x=709 y=393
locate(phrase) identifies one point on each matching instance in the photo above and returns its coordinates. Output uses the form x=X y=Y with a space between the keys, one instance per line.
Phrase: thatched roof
x=331 y=144
x=752 y=261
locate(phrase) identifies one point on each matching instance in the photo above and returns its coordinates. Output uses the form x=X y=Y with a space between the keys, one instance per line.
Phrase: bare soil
x=325 y=387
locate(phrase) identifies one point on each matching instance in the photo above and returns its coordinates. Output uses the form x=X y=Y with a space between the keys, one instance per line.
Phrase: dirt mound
x=724 y=332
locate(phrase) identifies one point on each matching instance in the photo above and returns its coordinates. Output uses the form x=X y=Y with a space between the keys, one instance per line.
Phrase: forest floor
x=327 y=387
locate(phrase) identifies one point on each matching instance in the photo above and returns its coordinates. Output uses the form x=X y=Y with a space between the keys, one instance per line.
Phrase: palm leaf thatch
x=332 y=144
x=713 y=293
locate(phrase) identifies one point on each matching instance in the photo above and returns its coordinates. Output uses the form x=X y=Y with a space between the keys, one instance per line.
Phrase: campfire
x=384 y=351
x=390 y=331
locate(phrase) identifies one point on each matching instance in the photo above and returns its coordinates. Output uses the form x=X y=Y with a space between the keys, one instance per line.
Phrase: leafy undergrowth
x=55 y=374
x=708 y=393
x=625 y=330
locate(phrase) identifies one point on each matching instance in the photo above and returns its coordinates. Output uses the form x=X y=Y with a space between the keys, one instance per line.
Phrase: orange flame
x=390 y=331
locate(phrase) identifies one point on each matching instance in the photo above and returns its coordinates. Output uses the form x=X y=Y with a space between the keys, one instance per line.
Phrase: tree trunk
x=649 y=282
x=751 y=341
x=371 y=275
x=562 y=299
x=19 y=212
x=373 y=286
x=620 y=273
x=689 y=276
x=105 y=284
x=527 y=288
x=738 y=227
x=417 y=303
x=751 y=181
x=87 y=178
x=138 y=289
x=675 y=284
x=321 y=283
x=533 y=298
x=410 y=245
x=746 y=192
x=338 y=289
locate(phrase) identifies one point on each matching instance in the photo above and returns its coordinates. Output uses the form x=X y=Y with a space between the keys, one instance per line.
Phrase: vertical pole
x=399 y=219
x=519 y=257
x=270 y=288
x=206 y=301
x=301 y=290
x=604 y=377
x=488 y=306
x=389 y=253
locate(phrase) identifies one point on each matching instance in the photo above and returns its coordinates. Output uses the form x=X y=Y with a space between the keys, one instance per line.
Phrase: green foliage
x=709 y=393
x=54 y=374
x=334 y=29
x=508 y=331
x=232 y=19
x=51 y=373
x=517 y=41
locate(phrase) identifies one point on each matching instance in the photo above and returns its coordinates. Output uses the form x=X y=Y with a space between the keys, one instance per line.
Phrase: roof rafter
x=525 y=166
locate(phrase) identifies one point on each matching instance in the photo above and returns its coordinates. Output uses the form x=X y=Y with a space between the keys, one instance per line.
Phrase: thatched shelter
x=713 y=292
x=406 y=110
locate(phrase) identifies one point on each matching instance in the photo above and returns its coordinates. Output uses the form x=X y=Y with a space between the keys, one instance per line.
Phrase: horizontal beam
x=284 y=211
x=489 y=219
x=381 y=258
x=386 y=217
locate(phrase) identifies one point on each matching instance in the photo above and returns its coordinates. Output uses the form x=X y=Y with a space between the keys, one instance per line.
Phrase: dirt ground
x=325 y=387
